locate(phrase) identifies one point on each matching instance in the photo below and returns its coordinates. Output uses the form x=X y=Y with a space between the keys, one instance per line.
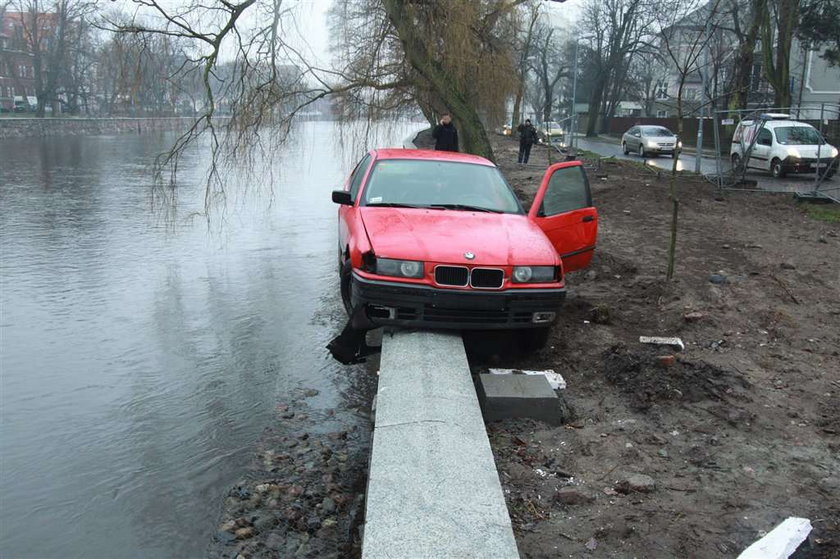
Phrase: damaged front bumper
x=409 y=305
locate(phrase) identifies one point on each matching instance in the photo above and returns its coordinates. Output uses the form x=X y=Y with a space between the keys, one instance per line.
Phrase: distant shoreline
x=22 y=127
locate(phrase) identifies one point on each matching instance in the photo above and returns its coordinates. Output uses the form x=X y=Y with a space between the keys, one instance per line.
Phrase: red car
x=439 y=240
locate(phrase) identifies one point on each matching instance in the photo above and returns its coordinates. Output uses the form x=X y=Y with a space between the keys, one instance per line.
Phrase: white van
x=783 y=146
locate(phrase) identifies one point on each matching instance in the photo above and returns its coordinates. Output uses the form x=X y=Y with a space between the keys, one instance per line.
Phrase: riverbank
x=700 y=454
x=17 y=127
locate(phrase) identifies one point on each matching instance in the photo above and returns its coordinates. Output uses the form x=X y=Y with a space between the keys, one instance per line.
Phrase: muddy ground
x=696 y=459
x=702 y=457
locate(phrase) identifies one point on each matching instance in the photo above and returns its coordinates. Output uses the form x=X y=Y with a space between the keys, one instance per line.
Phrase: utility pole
x=573 y=115
x=705 y=97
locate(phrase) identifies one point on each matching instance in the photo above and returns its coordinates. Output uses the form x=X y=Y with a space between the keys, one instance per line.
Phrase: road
x=791 y=183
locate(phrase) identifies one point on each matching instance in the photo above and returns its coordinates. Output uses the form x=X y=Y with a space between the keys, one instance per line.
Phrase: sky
x=309 y=28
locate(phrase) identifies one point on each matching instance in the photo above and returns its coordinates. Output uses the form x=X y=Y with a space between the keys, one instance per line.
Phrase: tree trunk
x=744 y=60
x=517 y=104
x=594 y=108
x=778 y=71
x=471 y=133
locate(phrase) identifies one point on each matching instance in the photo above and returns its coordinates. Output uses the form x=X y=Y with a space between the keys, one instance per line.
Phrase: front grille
x=434 y=314
x=666 y=145
x=487 y=278
x=452 y=275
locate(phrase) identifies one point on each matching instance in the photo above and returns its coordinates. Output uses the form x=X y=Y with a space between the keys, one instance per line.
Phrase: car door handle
x=588 y=218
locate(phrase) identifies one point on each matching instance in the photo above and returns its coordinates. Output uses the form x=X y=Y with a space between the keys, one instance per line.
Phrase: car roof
x=430 y=155
x=777 y=123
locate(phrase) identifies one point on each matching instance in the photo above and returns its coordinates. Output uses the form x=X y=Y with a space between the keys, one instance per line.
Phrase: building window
x=661 y=114
x=661 y=90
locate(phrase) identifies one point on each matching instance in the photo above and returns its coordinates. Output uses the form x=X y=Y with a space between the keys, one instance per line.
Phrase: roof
x=431 y=155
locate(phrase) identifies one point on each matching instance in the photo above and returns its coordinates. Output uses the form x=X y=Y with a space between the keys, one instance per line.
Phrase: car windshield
x=798 y=136
x=439 y=184
x=656 y=131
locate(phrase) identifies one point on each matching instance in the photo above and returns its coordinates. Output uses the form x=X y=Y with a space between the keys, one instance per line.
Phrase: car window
x=656 y=131
x=798 y=136
x=632 y=131
x=358 y=175
x=426 y=183
x=764 y=138
x=567 y=190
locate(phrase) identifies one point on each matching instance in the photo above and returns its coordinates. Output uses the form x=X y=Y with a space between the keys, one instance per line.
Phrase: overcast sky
x=310 y=29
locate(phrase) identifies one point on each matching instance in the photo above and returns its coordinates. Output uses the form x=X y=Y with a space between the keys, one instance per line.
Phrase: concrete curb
x=433 y=489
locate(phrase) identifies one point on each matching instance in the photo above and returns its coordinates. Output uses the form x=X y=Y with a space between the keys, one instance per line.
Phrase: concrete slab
x=433 y=488
x=510 y=396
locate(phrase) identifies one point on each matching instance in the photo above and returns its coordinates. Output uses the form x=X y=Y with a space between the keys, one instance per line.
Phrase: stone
x=573 y=496
x=717 y=279
x=310 y=392
x=429 y=433
x=788 y=266
x=511 y=396
x=244 y=533
x=328 y=505
x=635 y=483
x=693 y=316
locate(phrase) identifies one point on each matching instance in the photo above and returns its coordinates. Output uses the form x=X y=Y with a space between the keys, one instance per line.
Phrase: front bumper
x=400 y=304
x=808 y=164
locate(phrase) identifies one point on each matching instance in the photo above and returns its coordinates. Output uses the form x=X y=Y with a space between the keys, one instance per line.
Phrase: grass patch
x=822 y=212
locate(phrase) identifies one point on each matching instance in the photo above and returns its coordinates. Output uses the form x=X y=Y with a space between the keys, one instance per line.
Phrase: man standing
x=527 y=137
x=445 y=134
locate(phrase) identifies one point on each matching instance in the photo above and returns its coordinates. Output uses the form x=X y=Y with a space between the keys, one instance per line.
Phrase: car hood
x=661 y=138
x=443 y=236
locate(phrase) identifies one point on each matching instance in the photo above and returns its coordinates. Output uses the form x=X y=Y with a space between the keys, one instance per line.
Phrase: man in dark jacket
x=527 y=137
x=445 y=135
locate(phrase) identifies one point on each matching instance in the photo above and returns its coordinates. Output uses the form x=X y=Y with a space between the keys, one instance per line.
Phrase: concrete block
x=433 y=488
x=510 y=396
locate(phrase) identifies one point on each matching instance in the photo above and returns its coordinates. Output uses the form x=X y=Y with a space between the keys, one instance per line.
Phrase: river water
x=143 y=352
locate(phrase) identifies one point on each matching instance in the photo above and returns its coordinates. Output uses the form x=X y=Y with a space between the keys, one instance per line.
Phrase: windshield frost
x=426 y=183
x=798 y=136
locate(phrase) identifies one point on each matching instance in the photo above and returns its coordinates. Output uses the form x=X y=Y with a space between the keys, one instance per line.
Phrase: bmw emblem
x=469 y=255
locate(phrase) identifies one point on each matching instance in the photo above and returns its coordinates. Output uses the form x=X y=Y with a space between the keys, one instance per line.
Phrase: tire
x=532 y=339
x=346 y=286
x=736 y=161
x=776 y=169
x=624 y=148
x=642 y=153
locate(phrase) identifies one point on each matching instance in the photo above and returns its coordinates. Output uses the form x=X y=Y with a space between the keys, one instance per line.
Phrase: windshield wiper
x=465 y=207
x=391 y=205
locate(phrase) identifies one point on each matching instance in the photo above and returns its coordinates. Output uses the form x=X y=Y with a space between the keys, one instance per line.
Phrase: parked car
x=782 y=146
x=439 y=240
x=551 y=131
x=650 y=140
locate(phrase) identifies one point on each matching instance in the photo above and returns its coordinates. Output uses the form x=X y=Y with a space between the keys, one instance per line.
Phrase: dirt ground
x=702 y=457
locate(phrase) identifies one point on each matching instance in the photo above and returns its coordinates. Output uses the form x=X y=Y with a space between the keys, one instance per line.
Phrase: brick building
x=17 y=71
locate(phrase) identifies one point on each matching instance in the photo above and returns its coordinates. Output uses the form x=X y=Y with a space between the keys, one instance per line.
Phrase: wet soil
x=693 y=453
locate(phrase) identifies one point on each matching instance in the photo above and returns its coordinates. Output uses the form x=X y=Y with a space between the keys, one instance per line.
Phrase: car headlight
x=399 y=268
x=679 y=144
x=793 y=152
x=534 y=274
x=833 y=152
x=651 y=144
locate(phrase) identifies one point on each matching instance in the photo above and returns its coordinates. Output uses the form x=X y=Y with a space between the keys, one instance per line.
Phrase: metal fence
x=730 y=171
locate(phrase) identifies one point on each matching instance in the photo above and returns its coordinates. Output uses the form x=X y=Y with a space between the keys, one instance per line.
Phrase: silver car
x=649 y=140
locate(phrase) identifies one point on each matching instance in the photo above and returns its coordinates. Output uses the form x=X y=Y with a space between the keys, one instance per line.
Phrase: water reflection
x=142 y=358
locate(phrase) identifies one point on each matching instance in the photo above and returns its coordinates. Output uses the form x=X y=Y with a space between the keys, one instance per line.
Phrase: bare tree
x=777 y=31
x=51 y=30
x=685 y=29
x=614 y=31
x=523 y=46
x=548 y=66
x=645 y=76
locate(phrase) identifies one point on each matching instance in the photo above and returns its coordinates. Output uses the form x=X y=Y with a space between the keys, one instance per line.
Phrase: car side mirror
x=342 y=197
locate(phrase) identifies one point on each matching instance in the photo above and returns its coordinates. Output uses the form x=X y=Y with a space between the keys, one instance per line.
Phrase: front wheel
x=776 y=169
x=624 y=148
x=641 y=151
x=736 y=161
x=346 y=287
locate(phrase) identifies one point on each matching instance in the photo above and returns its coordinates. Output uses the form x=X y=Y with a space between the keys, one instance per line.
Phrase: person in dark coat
x=445 y=135
x=527 y=138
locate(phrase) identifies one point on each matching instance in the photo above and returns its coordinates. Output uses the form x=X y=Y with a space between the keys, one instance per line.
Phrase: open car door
x=563 y=210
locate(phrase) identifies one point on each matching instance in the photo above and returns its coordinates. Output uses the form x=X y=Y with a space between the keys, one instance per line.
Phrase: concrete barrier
x=433 y=489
